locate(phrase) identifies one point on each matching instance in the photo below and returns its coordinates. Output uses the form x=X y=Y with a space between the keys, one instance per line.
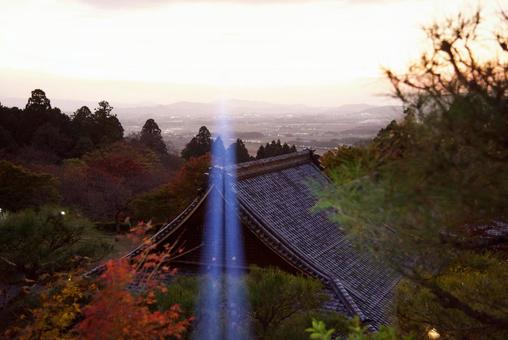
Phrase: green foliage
x=319 y=331
x=480 y=281
x=356 y=331
x=154 y=205
x=275 y=296
x=183 y=291
x=33 y=242
x=433 y=197
x=294 y=327
x=281 y=304
x=21 y=188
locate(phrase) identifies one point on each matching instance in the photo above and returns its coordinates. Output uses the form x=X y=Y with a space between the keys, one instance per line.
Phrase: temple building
x=280 y=228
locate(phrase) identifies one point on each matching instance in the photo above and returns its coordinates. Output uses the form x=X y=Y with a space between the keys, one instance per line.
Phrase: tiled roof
x=276 y=204
x=281 y=201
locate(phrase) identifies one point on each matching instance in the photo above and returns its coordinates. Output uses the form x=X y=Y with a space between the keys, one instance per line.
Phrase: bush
x=45 y=240
x=281 y=304
x=275 y=296
x=21 y=188
x=183 y=290
x=294 y=327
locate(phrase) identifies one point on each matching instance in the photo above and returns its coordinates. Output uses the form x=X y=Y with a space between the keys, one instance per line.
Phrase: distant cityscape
x=318 y=128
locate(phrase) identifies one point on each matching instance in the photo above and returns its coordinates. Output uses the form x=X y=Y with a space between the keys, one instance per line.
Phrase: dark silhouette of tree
x=83 y=126
x=261 y=152
x=50 y=139
x=7 y=141
x=38 y=100
x=239 y=152
x=108 y=128
x=39 y=122
x=151 y=137
x=275 y=148
x=199 y=145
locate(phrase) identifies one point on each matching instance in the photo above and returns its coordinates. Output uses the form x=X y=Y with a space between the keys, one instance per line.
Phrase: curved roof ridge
x=163 y=233
x=270 y=164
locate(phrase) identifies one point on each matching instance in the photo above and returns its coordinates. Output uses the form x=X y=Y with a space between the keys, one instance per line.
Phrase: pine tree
x=152 y=138
x=199 y=145
x=239 y=152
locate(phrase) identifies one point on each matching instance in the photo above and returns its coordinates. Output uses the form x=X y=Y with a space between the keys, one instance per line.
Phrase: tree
x=83 y=127
x=275 y=148
x=59 y=307
x=34 y=242
x=434 y=207
x=167 y=201
x=239 y=152
x=106 y=179
x=108 y=128
x=7 y=141
x=49 y=138
x=117 y=313
x=287 y=302
x=199 y=145
x=39 y=122
x=38 y=101
x=151 y=137
x=276 y=296
x=21 y=188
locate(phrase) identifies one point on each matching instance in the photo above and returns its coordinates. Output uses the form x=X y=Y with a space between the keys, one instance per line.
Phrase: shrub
x=276 y=296
x=21 y=188
x=45 y=240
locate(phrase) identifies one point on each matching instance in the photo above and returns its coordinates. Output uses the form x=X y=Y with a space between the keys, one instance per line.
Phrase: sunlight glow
x=275 y=44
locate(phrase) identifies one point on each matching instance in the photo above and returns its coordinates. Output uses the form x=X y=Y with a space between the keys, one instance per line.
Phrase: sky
x=319 y=53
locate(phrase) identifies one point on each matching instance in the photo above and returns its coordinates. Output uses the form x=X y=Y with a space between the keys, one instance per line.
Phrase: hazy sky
x=160 y=51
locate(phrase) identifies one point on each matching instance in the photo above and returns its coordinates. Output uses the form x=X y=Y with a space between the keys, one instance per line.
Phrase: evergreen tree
x=152 y=138
x=239 y=152
x=199 y=145
x=44 y=127
x=38 y=101
x=108 y=128
x=83 y=126
x=261 y=152
x=275 y=148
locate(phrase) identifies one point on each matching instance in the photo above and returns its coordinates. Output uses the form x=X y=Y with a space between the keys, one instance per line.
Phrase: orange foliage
x=123 y=160
x=188 y=179
x=117 y=313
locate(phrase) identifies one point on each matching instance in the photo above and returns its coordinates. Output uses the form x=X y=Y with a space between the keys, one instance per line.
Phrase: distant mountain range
x=355 y=113
x=235 y=107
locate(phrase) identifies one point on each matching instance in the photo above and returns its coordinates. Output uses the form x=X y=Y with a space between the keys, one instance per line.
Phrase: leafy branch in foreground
x=429 y=195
